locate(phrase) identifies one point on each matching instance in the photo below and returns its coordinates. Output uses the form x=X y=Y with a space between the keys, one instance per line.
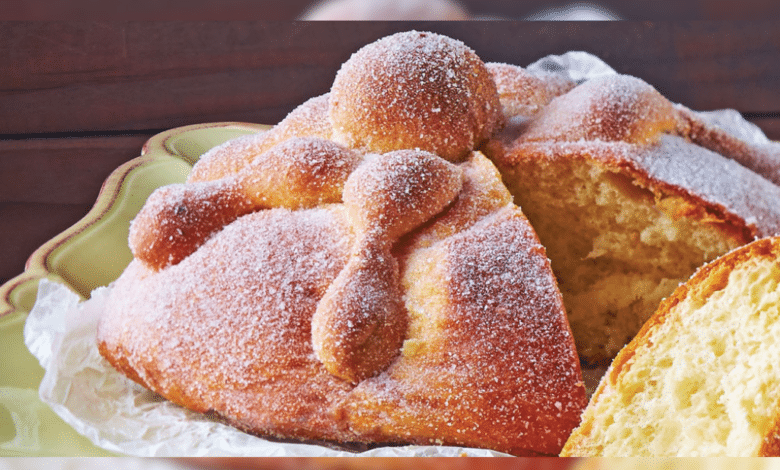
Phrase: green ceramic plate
x=90 y=254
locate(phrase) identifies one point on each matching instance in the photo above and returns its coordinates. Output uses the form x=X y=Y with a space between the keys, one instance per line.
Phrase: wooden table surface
x=79 y=99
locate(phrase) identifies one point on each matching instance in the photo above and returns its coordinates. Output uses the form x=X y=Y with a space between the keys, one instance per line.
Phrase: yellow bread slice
x=702 y=377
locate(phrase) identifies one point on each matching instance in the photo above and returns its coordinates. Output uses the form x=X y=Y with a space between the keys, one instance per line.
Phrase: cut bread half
x=701 y=378
x=626 y=205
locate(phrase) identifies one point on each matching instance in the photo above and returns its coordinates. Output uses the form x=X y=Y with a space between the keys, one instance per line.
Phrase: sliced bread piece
x=702 y=377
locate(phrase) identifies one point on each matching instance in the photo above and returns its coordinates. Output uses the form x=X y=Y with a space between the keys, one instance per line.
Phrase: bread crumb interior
x=616 y=249
x=709 y=386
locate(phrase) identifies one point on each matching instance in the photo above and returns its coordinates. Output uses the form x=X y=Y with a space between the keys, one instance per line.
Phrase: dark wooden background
x=285 y=10
x=77 y=99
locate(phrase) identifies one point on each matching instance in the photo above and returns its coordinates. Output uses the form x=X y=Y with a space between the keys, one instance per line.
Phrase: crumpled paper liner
x=577 y=66
x=119 y=415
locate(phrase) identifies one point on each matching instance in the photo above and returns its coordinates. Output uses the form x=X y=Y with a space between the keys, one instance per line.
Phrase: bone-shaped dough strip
x=360 y=323
x=296 y=174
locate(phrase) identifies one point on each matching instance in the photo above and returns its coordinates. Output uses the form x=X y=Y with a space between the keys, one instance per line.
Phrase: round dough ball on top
x=415 y=90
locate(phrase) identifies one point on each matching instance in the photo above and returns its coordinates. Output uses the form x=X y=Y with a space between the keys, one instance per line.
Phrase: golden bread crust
x=359 y=324
x=759 y=157
x=228 y=329
x=610 y=108
x=310 y=119
x=361 y=274
x=616 y=144
x=523 y=94
x=415 y=90
x=316 y=292
x=176 y=219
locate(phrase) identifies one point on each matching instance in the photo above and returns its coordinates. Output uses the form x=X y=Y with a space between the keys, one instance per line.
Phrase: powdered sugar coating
x=360 y=324
x=300 y=172
x=177 y=219
x=310 y=119
x=715 y=179
x=414 y=90
x=523 y=94
x=429 y=258
x=610 y=108
x=391 y=194
x=713 y=185
x=497 y=355
x=623 y=122
x=746 y=145
x=229 y=329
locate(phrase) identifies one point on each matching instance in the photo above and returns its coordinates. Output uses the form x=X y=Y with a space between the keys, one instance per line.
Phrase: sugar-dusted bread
x=310 y=119
x=477 y=352
x=701 y=377
x=521 y=93
x=629 y=199
x=415 y=90
x=359 y=276
x=362 y=273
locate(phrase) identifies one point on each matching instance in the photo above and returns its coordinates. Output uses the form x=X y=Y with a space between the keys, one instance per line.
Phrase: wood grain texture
x=62 y=171
x=26 y=226
x=125 y=81
x=66 y=77
x=47 y=185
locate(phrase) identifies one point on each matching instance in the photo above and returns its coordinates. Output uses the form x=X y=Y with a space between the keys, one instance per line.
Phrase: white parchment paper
x=121 y=416
x=577 y=66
